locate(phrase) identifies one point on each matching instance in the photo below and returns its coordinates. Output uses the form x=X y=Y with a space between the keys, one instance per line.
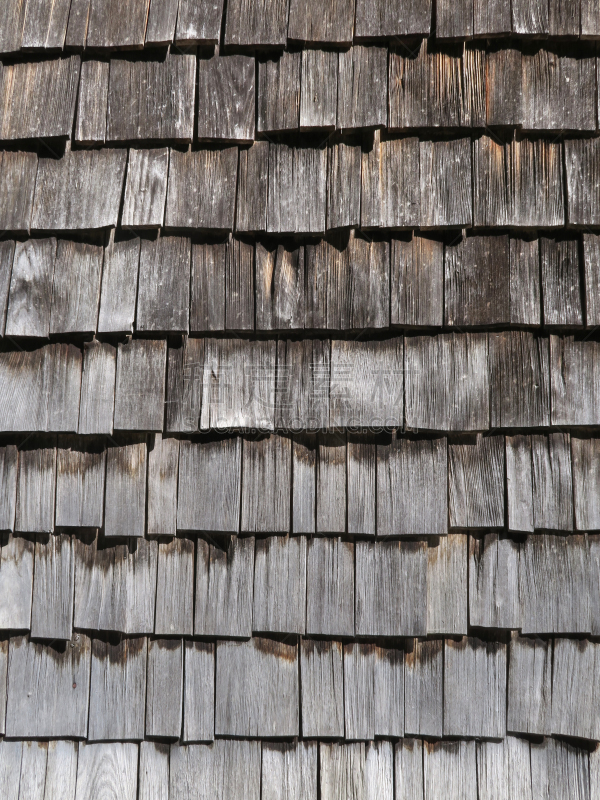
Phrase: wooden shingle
x=33 y=709
x=16 y=582
x=146 y=188
x=92 y=103
x=247 y=24
x=417 y=282
x=80 y=467
x=175 y=588
x=480 y=710
x=97 y=388
x=115 y=587
x=163 y=303
x=36 y=487
x=266 y=485
x=111 y=24
x=304 y=498
x=586 y=477
x=257 y=691
x=11 y=27
x=357 y=770
x=331 y=484
x=408 y=770
x=162 y=16
x=125 y=496
x=251 y=201
x=140 y=385
x=107 y=767
x=17 y=185
x=185 y=369
x=33 y=769
x=30 y=295
x=476 y=483
x=163 y=467
x=201 y=190
x=559 y=770
x=581 y=162
x=575 y=394
x=11 y=754
x=530 y=18
x=454 y=21
x=504 y=767
x=343 y=185
x=53 y=584
x=412 y=492
x=224 y=588
x=383 y=19
x=447 y=586
x=81 y=190
x=318 y=98
x=591 y=278
x=118 y=690
x=76 y=288
x=390 y=188
x=198 y=23
x=574 y=679
x=373 y=691
x=331 y=22
x=551 y=482
x=289 y=771
x=297 y=189
x=529 y=691
x=239 y=285
x=164 y=698
x=278 y=105
x=199 y=692
x=7 y=252
x=330 y=587
x=322 y=685
x=423 y=688
x=226 y=769
x=280 y=585
x=362 y=88
x=560 y=282
x=493 y=582
x=226 y=101
x=280 y=287
x=9 y=458
x=504 y=85
x=361 y=482
x=391 y=589
x=445 y=180
x=119 y=286
x=153 y=771
x=208 y=294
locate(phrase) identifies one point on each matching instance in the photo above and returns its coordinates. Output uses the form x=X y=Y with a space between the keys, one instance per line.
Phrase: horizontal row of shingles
x=283 y=585
x=230 y=769
x=42 y=24
x=345 y=282
x=194 y=691
x=465 y=382
x=396 y=183
x=308 y=485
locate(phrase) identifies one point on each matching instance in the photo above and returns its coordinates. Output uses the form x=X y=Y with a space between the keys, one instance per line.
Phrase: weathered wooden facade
x=299 y=399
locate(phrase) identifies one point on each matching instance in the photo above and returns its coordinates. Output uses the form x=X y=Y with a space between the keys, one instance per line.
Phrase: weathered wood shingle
x=30 y=295
x=17 y=185
x=199 y=692
x=297 y=189
x=529 y=690
x=247 y=23
x=163 y=303
x=16 y=582
x=574 y=389
x=197 y=23
x=76 y=288
x=140 y=385
x=331 y=22
x=146 y=188
x=97 y=403
x=226 y=101
x=107 y=767
x=125 y=495
x=278 y=105
x=80 y=470
x=175 y=588
x=9 y=459
x=322 y=685
x=330 y=587
x=54 y=580
x=423 y=688
x=119 y=286
x=164 y=696
x=476 y=483
x=225 y=769
x=280 y=585
x=362 y=88
x=381 y=19
x=447 y=584
x=92 y=103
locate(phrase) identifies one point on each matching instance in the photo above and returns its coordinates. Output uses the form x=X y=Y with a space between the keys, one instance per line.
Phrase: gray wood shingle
x=162 y=17
x=362 y=88
x=373 y=692
x=199 y=692
x=113 y=25
x=7 y=252
x=163 y=466
x=226 y=769
x=119 y=286
x=278 y=105
x=289 y=771
x=574 y=381
x=424 y=688
x=331 y=484
x=280 y=287
x=357 y=770
x=80 y=469
x=9 y=458
x=297 y=189
x=343 y=184
x=36 y=488
x=331 y=22
x=226 y=98
x=383 y=19
x=361 y=486
x=529 y=690
x=125 y=494
x=504 y=767
x=559 y=770
x=247 y=24
x=318 y=98
x=30 y=294
x=304 y=461
x=140 y=385
x=146 y=188
x=253 y=181
x=417 y=282
x=53 y=588
x=164 y=696
x=449 y=768
x=390 y=188
x=96 y=408
x=175 y=588
x=330 y=587
x=163 y=302
x=280 y=585
x=16 y=582
x=586 y=477
x=92 y=103
x=76 y=288
x=447 y=586
x=476 y=483
x=107 y=767
x=322 y=689
x=17 y=185
x=153 y=780
x=266 y=485
x=493 y=582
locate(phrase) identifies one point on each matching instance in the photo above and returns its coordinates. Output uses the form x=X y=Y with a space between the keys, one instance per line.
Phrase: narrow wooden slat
x=504 y=86
x=574 y=396
x=118 y=690
x=331 y=484
x=62 y=382
x=423 y=687
x=383 y=19
x=586 y=477
x=199 y=692
x=360 y=470
x=17 y=185
x=146 y=188
x=266 y=485
x=529 y=690
x=297 y=189
x=551 y=482
x=16 y=582
x=389 y=692
x=226 y=98
x=7 y=252
x=34 y=711
x=53 y=584
x=289 y=771
x=390 y=187
x=208 y=287
x=575 y=667
x=408 y=770
x=11 y=28
x=224 y=770
x=9 y=458
x=61 y=769
x=11 y=754
x=504 y=768
x=33 y=769
x=163 y=301
x=343 y=184
x=164 y=695
x=76 y=288
x=476 y=483
x=331 y=22
x=115 y=587
x=280 y=585
x=564 y=18
x=362 y=88
x=119 y=286
x=78 y=24
x=525 y=300
x=491 y=17
x=322 y=685
x=30 y=295
x=591 y=276
x=519 y=484
x=304 y=459
x=412 y=493
x=280 y=287
x=239 y=285
x=278 y=105
x=257 y=692
x=175 y=588
x=153 y=768
x=113 y=25
x=247 y=24
x=185 y=369
x=125 y=497
x=417 y=282
x=36 y=488
x=107 y=768
x=373 y=691
x=140 y=385
x=97 y=388
x=23 y=404
x=199 y=23
x=330 y=587
x=446 y=194
x=581 y=161
x=318 y=98
x=493 y=582
x=162 y=17
x=163 y=464
x=251 y=201
x=447 y=586
x=560 y=282
x=224 y=588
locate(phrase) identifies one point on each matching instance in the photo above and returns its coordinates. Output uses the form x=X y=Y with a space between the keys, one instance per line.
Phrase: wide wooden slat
x=119 y=286
x=391 y=589
x=280 y=585
x=30 y=295
x=373 y=692
x=491 y=17
x=575 y=396
x=575 y=670
x=110 y=768
x=503 y=769
x=530 y=18
x=266 y=486
x=559 y=93
x=125 y=496
x=318 y=98
x=140 y=385
x=390 y=186
x=9 y=458
x=115 y=587
x=357 y=770
x=362 y=88
x=278 y=105
x=289 y=771
x=297 y=189
x=423 y=687
x=257 y=692
x=529 y=690
x=331 y=22
x=226 y=98
x=581 y=161
x=16 y=582
x=97 y=388
x=224 y=588
x=449 y=769
x=447 y=586
x=446 y=192
x=330 y=587
x=199 y=692
x=114 y=24
x=385 y=19
x=198 y=23
x=52 y=706
x=17 y=185
x=224 y=770
x=322 y=685
x=476 y=483
x=162 y=17
x=165 y=688
x=175 y=588
x=493 y=582
x=163 y=301
x=247 y=24
x=11 y=27
x=303 y=371
x=36 y=487
x=454 y=21
x=559 y=770
x=76 y=288
x=145 y=189
x=417 y=282
x=92 y=103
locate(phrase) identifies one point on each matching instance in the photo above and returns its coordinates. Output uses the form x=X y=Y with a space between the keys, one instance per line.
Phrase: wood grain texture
x=447 y=586
x=552 y=482
x=92 y=103
x=575 y=665
x=53 y=587
x=11 y=754
x=494 y=582
x=330 y=587
x=257 y=691
x=7 y=252
x=504 y=86
x=146 y=188
x=436 y=397
x=119 y=286
x=423 y=688
x=331 y=484
x=559 y=769
x=574 y=394
x=113 y=25
x=525 y=300
x=560 y=282
x=163 y=464
x=450 y=768
x=530 y=18
x=586 y=477
x=289 y=771
x=226 y=99
x=280 y=585
x=280 y=286
x=199 y=23
x=454 y=22
x=251 y=200
x=558 y=92
x=391 y=589
x=125 y=495
x=304 y=461
x=412 y=493
x=9 y=458
x=278 y=103
x=140 y=385
x=48 y=690
x=110 y=768
x=591 y=278
x=373 y=692
x=417 y=282
x=343 y=184
x=297 y=189
x=164 y=696
x=17 y=185
x=11 y=37
x=362 y=88
x=30 y=295
x=36 y=488
x=32 y=778
x=382 y=19
x=476 y=483
x=503 y=769
x=318 y=97
x=76 y=288
x=175 y=588
x=529 y=691
x=163 y=302
x=322 y=689
x=118 y=690
x=361 y=482
x=153 y=774
x=331 y=22
x=303 y=370
x=519 y=484
x=16 y=582
x=239 y=285
x=224 y=588
x=581 y=161
x=357 y=770
x=390 y=185
x=208 y=294
x=61 y=769
x=201 y=189
x=491 y=17
x=185 y=368
x=209 y=491
x=115 y=587
x=160 y=30
x=80 y=470
x=226 y=769
x=266 y=485
x=446 y=190
x=247 y=24
x=199 y=693
x=97 y=402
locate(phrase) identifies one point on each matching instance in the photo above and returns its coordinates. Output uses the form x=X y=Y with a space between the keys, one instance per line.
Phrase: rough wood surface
x=445 y=181
x=30 y=295
x=125 y=496
x=257 y=691
x=575 y=397
x=558 y=770
x=226 y=98
x=175 y=588
x=119 y=286
x=224 y=588
x=76 y=288
x=383 y=19
x=390 y=187
x=591 y=278
x=118 y=690
x=503 y=769
x=552 y=483
x=278 y=104
x=575 y=666
x=153 y=775
x=48 y=690
x=423 y=688
x=7 y=252
x=408 y=769
x=391 y=589
x=304 y=461
x=160 y=29
x=447 y=586
x=239 y=285
x=322 y=689
x=199 y=692
x=297 y=189
x=115 y=587
x=361 y=475
x=16 y=582
x=530 y=18
x=493 y=582
x=476 y=483
x=80 y=468
x=163 y=463
x=185 y=369
x=33 y=769
x=199 y=23
x=280 y=585
x=107 y=768
x=36 y=489
x=529 y=691
x=97 y=403
x=164 y=696
x=146 y=188
x=331 y=22
x=163 y=302
x=586 y=483
x=412 y=488
x=247 y=24
x=9 y=458
x=504 y=86
x=417 y=282
x=53 y=585
x=226 y=769
x=208 y=295
x=251 y=200
x=343 y=184
x=331 y=484
x=357 y=770
x=373 y=692
x=330 y=587
x=289 y=771
x=17 y=185
x=266 y=485
x=280 y=287
x=111 y=24
x=11 y=754
x=449 y=769
x=362 y=88
x=61 y=769
x=454 y=21
x=303 y=374
x=560 y=282
x=140 y=385
x=318 y=98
